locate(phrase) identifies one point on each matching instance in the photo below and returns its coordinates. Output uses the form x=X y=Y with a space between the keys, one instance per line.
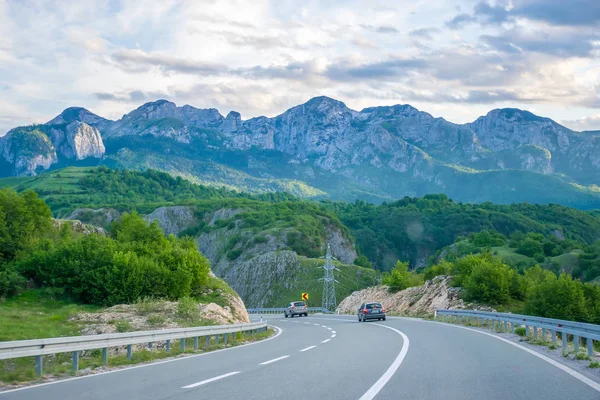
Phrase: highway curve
x=336 y=357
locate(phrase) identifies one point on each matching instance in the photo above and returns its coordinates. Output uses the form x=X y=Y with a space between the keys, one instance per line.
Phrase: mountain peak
x=80 y=114
x=515 y=114
x=324 y=101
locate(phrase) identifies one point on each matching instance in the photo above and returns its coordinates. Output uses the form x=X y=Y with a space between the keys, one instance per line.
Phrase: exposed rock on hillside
x=419 y=300
x=79 y=227
x=100 y=217
x=159 y=315
x=173 y=220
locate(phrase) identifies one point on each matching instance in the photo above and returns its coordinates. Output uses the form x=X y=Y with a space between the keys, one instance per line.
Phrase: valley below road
x=336 y=357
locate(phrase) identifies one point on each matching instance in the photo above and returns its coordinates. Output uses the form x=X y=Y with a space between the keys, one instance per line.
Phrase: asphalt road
x=337 y=358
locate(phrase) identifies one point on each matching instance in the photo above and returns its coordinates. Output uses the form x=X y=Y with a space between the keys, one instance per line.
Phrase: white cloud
x=263 y=56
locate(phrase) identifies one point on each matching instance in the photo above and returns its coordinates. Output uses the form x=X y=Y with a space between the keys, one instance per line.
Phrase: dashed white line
x=274 y=360
x=333 y=332
x=324 y=326
x=216 y=378
x=329 y=328
x=308 y=348
x=332 y=336
x=326 y=340
x=307 y=323
x=316 y=324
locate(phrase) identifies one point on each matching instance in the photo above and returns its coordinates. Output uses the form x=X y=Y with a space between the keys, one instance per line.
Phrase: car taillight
x=382 y=309
x=365 y=311
x=293 y=306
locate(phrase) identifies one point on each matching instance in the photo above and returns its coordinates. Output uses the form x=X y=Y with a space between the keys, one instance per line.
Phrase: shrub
x=400 y=278
x=156 y=320
x=594 y=364
x=489 y=281
x=520 y=331
x=234 y=254
x=123 y=326
x=187 y=308
x=11 y=282
x=582 y=356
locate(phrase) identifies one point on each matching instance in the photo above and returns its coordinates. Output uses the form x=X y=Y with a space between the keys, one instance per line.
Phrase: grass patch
x=156 y=320
x=594 y=364
x=520 y=331
x=148 y=305
x=37 y=314
x=582 y=356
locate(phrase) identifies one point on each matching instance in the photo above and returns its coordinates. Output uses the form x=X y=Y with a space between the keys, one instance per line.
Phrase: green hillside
x=413 y=229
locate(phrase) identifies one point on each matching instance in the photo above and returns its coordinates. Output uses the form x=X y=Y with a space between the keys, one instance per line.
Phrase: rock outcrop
x=79 y=227
x=173 y=220
x=416 y=301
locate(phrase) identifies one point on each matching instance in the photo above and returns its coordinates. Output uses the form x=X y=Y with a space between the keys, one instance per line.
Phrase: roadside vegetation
x=486 y=279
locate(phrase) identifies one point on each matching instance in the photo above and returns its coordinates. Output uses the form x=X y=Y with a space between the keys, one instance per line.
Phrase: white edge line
x=387 y=375
x=326 y=340
x=274 y=360
x=308 y=348
x=573 y=373
x=279 y=332
x=216 y=378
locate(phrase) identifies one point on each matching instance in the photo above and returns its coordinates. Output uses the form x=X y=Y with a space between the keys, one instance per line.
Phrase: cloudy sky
x=454 y=59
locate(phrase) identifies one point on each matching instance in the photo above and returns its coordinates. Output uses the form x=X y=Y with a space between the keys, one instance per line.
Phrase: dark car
x=371 y=311
x=296 y=308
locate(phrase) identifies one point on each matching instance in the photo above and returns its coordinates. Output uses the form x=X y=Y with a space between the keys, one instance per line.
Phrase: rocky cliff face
x=417 y=301
x=26 y=150
x=29 y=149
x=77 y=140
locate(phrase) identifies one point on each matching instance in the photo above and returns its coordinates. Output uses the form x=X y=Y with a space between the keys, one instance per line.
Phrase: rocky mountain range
x=323 y=149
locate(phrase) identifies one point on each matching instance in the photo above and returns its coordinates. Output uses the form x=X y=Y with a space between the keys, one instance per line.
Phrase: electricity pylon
x=329 y=301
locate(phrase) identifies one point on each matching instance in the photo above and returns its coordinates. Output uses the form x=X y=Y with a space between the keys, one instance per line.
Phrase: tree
x=362 y=261
x=561 y=298
x=530 y=247
x=400 y=278
x=489 y=281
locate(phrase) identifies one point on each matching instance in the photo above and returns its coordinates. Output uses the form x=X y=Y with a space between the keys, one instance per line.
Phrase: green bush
x=137 y=261
x=11 y=282
x=520 y=331
x=560 y=298
x=123 y=326
x=156 y=320
x=187 y=309
x=400 y=278
x=234 y=254
x=443 y=268
x=489 y=281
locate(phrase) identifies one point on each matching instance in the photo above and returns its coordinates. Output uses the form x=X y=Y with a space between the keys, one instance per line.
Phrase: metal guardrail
x=40 y=347
x=589 y=332
x=311 y=310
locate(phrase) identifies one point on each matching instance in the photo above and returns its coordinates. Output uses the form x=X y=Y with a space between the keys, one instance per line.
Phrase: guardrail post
x=196 y=343
x=105 y=356
x=512 y=327
x=534 y=328
x=168 y=345
x=182 y=344
x=564 y=340
x=150 y=346
x=217 y=339
x=129 y=355
x=526 y=330
x=207 y=342
x=506 y=326
x=39 y=368
x=576 y=343
x=554 y=337
x=590 y=346
x=544 y=334
x=225 y=335
x=75 y=361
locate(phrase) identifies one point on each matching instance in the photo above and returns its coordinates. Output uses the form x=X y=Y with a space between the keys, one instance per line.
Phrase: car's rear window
x=299 y=304
x=373 y=305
